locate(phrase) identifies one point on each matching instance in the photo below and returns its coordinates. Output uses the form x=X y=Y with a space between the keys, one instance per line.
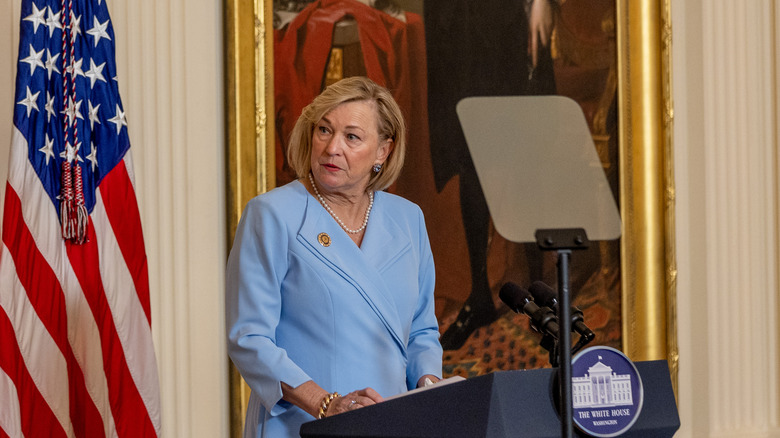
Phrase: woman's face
x=345 y=147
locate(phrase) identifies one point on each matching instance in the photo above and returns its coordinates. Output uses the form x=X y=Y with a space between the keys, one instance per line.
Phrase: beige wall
x=169 y=58
x=725 y=96
x=726 y=118
x=9 y=46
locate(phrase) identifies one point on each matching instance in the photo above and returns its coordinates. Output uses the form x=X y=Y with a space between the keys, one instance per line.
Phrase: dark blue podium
x=496 y=405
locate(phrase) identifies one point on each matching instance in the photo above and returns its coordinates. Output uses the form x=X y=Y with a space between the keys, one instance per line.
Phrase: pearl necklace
x=338 y=219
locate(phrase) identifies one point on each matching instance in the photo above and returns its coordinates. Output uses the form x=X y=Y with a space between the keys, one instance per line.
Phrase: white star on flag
x=48 y=148
x=71 y=153
x=72 y=110
x=119 y=120
x=34 y=59
x=92 y=157
x=75 y=69
x=93 y=114
x=76 y=23
x=53 y=22
x=95 y=73
x=99 y=30
x=49 y=107
x=51 y=62
x=36 y=17
x=29 y=101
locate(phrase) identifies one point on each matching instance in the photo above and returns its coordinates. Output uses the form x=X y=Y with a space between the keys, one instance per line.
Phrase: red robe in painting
x=393 y=54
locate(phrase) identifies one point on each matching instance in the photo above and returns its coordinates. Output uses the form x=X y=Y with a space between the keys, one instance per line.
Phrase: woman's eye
x=353 y=137
x=322 y=130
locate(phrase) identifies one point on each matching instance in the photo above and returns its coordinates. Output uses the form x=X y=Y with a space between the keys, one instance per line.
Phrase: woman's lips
x=330 y=167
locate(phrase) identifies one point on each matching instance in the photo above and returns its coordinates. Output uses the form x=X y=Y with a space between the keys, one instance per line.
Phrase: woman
x=330 y=280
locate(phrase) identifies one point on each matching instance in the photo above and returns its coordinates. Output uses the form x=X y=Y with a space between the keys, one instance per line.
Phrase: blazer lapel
x=361 y=267
x=384 y=241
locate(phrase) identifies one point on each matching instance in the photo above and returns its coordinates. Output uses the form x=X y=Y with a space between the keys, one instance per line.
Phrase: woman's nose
x=334 y=145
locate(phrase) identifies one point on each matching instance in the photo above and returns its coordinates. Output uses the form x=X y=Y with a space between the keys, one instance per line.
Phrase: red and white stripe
x=76 y=356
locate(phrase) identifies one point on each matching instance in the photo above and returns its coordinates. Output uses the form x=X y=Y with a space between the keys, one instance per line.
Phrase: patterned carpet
x=506 y=344
x=510 y=344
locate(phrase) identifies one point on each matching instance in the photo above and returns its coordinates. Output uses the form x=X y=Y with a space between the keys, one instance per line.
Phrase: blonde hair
x=390 y=120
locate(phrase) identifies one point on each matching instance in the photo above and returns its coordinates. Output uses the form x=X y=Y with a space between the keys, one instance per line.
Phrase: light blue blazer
x=344 y=316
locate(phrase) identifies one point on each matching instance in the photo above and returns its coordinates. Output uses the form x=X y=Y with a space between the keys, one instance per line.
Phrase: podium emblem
x=606 y=391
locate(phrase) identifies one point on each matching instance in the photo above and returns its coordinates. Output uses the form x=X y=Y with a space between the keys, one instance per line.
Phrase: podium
x=500 y=404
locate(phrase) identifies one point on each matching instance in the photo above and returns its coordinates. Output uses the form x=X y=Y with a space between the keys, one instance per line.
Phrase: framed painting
x=611 y=56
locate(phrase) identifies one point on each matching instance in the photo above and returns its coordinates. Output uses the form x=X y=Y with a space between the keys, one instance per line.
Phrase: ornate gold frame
x=649 y=267
x=647 y=181
x=250 y=139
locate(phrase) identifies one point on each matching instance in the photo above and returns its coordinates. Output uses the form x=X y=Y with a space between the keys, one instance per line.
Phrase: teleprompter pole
x=564 y=347
x=563 y=241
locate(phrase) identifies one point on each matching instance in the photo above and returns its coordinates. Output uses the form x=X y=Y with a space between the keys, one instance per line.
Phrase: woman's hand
x=353 y=400
x=431 y=377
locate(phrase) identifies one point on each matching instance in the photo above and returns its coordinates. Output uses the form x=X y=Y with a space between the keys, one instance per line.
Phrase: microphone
x=545 y=295
x=543 y=319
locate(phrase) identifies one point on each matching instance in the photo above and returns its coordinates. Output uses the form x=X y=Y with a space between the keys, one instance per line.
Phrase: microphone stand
x=550 y=344
x=563 y=241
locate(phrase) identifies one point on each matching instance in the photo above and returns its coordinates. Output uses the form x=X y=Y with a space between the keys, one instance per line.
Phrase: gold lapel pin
x=324 y=239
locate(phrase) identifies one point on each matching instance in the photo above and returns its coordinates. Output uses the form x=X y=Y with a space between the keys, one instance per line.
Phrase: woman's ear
x=384 y=150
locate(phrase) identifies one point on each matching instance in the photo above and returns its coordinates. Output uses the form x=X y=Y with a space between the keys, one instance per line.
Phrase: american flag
x=76 y=352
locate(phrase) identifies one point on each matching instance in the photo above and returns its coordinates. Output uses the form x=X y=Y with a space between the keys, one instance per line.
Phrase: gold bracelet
x=326 y=403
